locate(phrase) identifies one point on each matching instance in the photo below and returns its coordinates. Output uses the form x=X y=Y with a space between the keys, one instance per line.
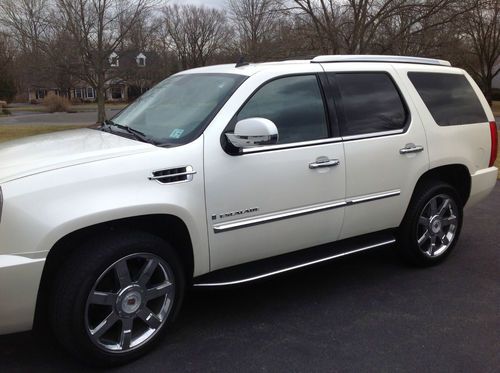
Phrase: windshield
x=176 y=110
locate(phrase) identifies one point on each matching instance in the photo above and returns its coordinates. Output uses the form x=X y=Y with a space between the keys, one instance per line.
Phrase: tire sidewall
x=408 y=230
x=105 y=252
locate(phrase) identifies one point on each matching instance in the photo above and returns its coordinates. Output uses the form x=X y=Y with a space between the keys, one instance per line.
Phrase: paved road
x=55 y=118
x=360 y=314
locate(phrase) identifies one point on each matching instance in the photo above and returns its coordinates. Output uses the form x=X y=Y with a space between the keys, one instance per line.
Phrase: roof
x=253 y=68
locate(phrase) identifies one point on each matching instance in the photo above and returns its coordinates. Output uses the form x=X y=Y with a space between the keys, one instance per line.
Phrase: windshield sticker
x=177 y=133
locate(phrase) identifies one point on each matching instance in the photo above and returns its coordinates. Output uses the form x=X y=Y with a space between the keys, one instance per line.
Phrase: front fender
x=41 y=209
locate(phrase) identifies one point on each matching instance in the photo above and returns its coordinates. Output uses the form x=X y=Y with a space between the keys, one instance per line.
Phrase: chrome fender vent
x=173 y=175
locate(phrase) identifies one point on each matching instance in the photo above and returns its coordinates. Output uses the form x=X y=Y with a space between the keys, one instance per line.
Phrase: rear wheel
x=115 y=298
x=432 y=224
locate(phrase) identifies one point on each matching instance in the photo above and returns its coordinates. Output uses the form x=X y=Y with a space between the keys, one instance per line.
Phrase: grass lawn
x=14 y=132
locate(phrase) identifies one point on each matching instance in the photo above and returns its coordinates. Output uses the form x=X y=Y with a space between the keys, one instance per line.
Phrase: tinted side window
x=449 y=98
x=371 y=103
x=294 y=104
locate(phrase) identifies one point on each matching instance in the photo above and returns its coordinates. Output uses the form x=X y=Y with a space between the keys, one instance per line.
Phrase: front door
x=280 y=198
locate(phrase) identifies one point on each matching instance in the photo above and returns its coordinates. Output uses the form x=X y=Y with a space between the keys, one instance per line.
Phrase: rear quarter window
x=449 y=98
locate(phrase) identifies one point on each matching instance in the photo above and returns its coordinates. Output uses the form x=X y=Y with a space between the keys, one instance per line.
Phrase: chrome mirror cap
x=253 y=132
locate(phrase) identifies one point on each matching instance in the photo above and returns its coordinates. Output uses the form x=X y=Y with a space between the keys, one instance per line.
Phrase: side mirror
x=253 y=132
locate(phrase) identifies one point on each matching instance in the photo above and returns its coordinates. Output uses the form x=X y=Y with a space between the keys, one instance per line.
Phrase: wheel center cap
x=436 y=225
x=129 y=301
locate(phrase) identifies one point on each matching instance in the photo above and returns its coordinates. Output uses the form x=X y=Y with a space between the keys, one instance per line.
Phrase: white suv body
x=226 y=207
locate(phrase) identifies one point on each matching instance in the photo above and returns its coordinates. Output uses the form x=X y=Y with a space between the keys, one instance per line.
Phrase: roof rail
x=379 y=58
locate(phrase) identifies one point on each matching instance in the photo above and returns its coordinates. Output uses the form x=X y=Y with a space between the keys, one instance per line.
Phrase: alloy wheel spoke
x=105 y=325
x=423 y=221
x=452 y=220
x=445 y=240
x=432 y=247
x=444 y=207
x=147 y=271
x=126 y=333
x=433 y=205
x=149 y=318
x=423 y=238
x=102 y=298
x=158 y=291
x=123 y=274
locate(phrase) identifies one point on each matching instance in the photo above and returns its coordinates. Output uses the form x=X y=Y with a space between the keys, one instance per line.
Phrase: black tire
x=410 y=230
x=78 y=277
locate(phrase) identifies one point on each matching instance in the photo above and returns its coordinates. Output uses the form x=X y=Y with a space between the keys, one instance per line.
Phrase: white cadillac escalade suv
x=227 y=174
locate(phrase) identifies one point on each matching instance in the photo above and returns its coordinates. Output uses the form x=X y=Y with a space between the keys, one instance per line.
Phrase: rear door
x=384 y=141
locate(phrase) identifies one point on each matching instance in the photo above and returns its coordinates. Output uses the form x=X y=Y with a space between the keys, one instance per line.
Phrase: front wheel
x=116 y=296
x=432 y=224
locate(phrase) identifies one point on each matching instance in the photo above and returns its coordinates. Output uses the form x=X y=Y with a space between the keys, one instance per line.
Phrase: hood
x=32 y=155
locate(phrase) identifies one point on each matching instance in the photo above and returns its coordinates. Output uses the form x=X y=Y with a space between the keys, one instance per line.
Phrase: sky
x=211 y=3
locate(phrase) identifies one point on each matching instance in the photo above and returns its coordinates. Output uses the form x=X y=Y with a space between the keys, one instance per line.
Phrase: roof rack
x=379 y=58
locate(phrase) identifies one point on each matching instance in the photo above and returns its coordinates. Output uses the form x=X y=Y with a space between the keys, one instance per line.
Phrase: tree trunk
x=488 y=92
x=101 y=98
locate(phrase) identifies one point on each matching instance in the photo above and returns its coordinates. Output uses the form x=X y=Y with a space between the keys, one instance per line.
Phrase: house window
x=116 y=93
x=78 y=93
x=41 y=93
x=114 y=60
x=141 y=59
x=90 y=92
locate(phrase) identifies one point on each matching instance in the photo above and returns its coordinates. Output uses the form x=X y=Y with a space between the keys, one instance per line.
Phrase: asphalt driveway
x=363 y=313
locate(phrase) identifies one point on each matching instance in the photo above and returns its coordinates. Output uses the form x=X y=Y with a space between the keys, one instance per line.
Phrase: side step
x=299 y=259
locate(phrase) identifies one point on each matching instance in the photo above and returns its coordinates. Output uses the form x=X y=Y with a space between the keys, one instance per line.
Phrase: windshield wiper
x=138 y=135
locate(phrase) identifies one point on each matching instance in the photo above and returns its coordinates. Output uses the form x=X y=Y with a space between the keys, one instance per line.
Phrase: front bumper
x=482 y=183
x=19 y=281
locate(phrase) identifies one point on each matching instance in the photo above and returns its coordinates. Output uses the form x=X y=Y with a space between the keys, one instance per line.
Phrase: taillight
x=494 y=143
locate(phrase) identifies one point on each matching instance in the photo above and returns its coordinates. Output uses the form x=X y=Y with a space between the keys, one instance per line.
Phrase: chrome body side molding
x=267 y=218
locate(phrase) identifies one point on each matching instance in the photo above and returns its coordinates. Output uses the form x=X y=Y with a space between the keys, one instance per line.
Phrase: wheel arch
x=169 y=227
x=457 y=175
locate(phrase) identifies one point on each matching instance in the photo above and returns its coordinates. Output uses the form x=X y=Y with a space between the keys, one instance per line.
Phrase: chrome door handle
x=411 y=148
x=324 y=162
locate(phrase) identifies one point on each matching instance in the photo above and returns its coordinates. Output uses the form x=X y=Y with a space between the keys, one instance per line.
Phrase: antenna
x=241 y=62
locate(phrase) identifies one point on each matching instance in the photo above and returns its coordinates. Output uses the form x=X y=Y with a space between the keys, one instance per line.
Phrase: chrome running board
x=289 y=262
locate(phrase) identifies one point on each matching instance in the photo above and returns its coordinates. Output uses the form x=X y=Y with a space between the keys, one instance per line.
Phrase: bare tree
x=29 y=21
x=7 y=60
x=325 y=18
x=481 y=28
x=257 y=22
x=40 y=54
x=99 y=27
x=196 y=33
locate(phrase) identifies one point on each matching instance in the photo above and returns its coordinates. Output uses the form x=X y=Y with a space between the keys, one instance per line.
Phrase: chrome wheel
x=437 y=225
x=129 y=302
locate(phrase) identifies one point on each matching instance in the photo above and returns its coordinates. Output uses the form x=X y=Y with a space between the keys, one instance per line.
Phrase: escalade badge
x=234 y=213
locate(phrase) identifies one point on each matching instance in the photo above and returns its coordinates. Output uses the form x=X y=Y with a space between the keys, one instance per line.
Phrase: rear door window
x=371 y=103
x=449 y=98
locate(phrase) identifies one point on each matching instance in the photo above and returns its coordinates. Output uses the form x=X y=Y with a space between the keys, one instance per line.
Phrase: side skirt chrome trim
x=248 y=222
x=307 y=264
